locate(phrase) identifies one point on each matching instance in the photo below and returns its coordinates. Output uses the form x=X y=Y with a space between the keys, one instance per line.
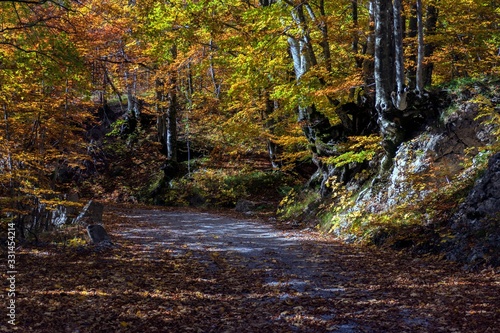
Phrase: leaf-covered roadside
x=136 y=288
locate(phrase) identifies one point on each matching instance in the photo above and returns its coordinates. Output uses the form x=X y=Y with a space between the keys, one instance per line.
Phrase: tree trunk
x=420 y=81
x=160 y=111
x=217 y=86
x=269 y=123
x=133 y=111
x=412 y=34
x=392 y=134
x=355 y=34
x=171 y=135
x=323 y=27
x=303 y=59
x=314 y=124
x=430 y=27
x=398 y=96
x=10 y=165
x=167 y=106
x=134 y=104
x=383 y=54
x=369 y=50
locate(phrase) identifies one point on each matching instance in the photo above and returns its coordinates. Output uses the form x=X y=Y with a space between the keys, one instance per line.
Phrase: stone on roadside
x=98 y=234
x=91 y=214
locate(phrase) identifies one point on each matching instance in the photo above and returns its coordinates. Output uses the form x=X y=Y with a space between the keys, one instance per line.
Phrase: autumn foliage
x=218 y=76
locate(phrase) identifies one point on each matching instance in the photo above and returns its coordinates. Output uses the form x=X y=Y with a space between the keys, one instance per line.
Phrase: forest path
x=186 y=271
x=306 y=282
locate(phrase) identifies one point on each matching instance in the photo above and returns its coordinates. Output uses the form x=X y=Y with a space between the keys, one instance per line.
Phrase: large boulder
x=91 y=214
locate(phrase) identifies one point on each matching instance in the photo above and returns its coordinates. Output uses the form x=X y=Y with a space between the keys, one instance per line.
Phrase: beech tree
x=390 y=91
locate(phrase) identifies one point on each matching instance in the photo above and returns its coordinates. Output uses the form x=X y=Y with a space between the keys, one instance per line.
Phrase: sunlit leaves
x=467 y=39
x=42 y=114
x=357 y=149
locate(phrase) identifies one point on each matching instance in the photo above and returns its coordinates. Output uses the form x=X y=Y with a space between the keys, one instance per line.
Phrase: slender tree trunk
x=7 y=138
x=398 y=96
x=354 y=13
x=355 y=34
x=161 y=121
x=383 y=55
x=109 y=80
x=133 y=110
x=430 y=27
x=412 y=34
x=269 y=123
x=420 y=80
x=323 y=27
x=167 y=106
x=133 y=103
x=212 y=70
x=188 y=92
x=303 y=59
x=171 y=135
x=369 y=49
x=65 y=113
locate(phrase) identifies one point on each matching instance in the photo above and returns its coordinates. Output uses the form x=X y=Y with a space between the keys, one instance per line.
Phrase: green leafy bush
x=223 y=187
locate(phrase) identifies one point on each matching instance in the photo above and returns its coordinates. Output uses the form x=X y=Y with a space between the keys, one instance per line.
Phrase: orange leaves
x=42 y=107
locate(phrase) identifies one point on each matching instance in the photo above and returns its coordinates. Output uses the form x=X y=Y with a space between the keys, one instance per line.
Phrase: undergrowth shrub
x=296 y=205
x=223 y=187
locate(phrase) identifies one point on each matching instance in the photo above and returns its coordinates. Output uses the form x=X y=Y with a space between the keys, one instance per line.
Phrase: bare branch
x=17 y=47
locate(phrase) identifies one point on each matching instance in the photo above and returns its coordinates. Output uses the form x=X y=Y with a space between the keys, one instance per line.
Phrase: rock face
x=428 y=161
x=61 y=215
x=40 y=218
x=98 y=234
x=477 y=223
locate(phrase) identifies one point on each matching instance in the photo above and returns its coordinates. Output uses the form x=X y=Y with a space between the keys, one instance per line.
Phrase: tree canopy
x=298 y=80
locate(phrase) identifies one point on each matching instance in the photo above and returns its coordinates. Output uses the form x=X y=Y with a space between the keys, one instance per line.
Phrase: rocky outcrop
x=476 y=225
x=429 y=161
x=38 y=217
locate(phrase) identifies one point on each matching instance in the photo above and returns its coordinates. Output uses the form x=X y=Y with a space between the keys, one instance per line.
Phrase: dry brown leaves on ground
x=128 y=289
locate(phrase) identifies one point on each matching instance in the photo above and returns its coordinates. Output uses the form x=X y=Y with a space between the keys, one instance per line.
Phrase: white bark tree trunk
x=167 y=106
x=383 y=54
x=385 y=79
x=315 y=125
x=398 y=96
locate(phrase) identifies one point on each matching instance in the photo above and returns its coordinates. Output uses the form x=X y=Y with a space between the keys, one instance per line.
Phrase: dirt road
x=185 y=271
x=309 y=283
